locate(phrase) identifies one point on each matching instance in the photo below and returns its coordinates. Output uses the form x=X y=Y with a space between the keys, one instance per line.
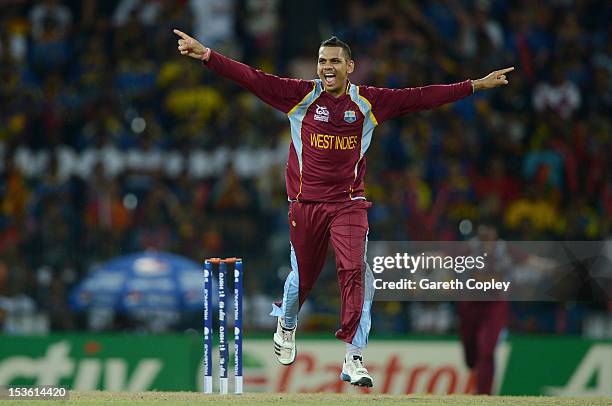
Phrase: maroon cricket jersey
x=331 y=135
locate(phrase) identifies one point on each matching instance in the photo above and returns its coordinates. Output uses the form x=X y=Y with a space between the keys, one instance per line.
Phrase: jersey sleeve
x=281 y=93
x=391 y=103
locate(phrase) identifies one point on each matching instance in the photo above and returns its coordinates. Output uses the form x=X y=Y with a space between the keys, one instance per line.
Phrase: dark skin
x=333 y=66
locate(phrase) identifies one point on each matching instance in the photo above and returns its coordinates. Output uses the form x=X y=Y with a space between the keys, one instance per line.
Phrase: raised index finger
x=504 y=71
x=181 y=34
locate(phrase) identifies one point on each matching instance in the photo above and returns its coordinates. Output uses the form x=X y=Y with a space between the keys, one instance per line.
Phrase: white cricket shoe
x=354 y=372
x=284 y=343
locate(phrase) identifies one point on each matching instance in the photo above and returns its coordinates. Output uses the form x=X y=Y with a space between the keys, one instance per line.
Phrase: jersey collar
x=341 y=97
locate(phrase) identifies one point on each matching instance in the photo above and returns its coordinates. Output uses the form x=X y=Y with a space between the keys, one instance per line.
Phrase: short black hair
x=337 y=42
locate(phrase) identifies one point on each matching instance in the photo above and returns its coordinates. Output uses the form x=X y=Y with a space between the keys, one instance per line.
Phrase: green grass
x=318 y=399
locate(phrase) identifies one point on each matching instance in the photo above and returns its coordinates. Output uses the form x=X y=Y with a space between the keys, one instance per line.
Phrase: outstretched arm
x=280 y=93
x=390 y=103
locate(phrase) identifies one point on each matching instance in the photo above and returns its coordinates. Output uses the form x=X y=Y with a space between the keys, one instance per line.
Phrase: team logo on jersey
x=321 y=114
x=350 y=116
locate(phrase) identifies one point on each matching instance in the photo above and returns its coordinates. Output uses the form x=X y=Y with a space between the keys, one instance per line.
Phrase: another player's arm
x=281 y=93
x=389 y=103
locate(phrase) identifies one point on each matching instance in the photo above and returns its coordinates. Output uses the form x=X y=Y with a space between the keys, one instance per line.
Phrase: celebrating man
x=332 y=122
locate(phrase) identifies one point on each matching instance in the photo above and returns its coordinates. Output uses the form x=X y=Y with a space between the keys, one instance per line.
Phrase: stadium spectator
x=214 y=20
x=559 y=95
x=50 y=27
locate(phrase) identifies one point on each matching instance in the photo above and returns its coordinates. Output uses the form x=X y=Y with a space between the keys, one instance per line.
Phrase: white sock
x=352 y=350
x=288 y=322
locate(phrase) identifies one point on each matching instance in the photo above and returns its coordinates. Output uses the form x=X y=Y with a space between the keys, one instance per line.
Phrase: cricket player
x=332 y=123
x=483 y=325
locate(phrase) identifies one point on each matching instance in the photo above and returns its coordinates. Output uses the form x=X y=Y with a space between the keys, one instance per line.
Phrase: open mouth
x=330 y=79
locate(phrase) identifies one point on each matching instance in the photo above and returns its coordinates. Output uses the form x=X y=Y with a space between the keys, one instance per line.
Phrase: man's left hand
x=492 y=80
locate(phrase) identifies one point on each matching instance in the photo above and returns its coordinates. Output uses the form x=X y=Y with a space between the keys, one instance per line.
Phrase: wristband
x=206 y=55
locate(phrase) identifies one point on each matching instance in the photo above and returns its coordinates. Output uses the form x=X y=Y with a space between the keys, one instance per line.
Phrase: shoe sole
x=277 y=353
x=363 y=381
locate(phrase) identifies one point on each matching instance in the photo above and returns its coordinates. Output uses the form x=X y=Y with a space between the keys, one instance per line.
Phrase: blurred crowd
x=111 y=142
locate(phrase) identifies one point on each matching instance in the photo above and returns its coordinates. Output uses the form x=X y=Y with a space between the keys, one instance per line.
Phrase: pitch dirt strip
x=277 y=399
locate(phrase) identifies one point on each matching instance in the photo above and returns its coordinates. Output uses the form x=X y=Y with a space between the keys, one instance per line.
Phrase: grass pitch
x=315 y=399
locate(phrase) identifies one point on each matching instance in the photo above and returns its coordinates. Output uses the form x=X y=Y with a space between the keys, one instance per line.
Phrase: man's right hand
x=191 y=47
